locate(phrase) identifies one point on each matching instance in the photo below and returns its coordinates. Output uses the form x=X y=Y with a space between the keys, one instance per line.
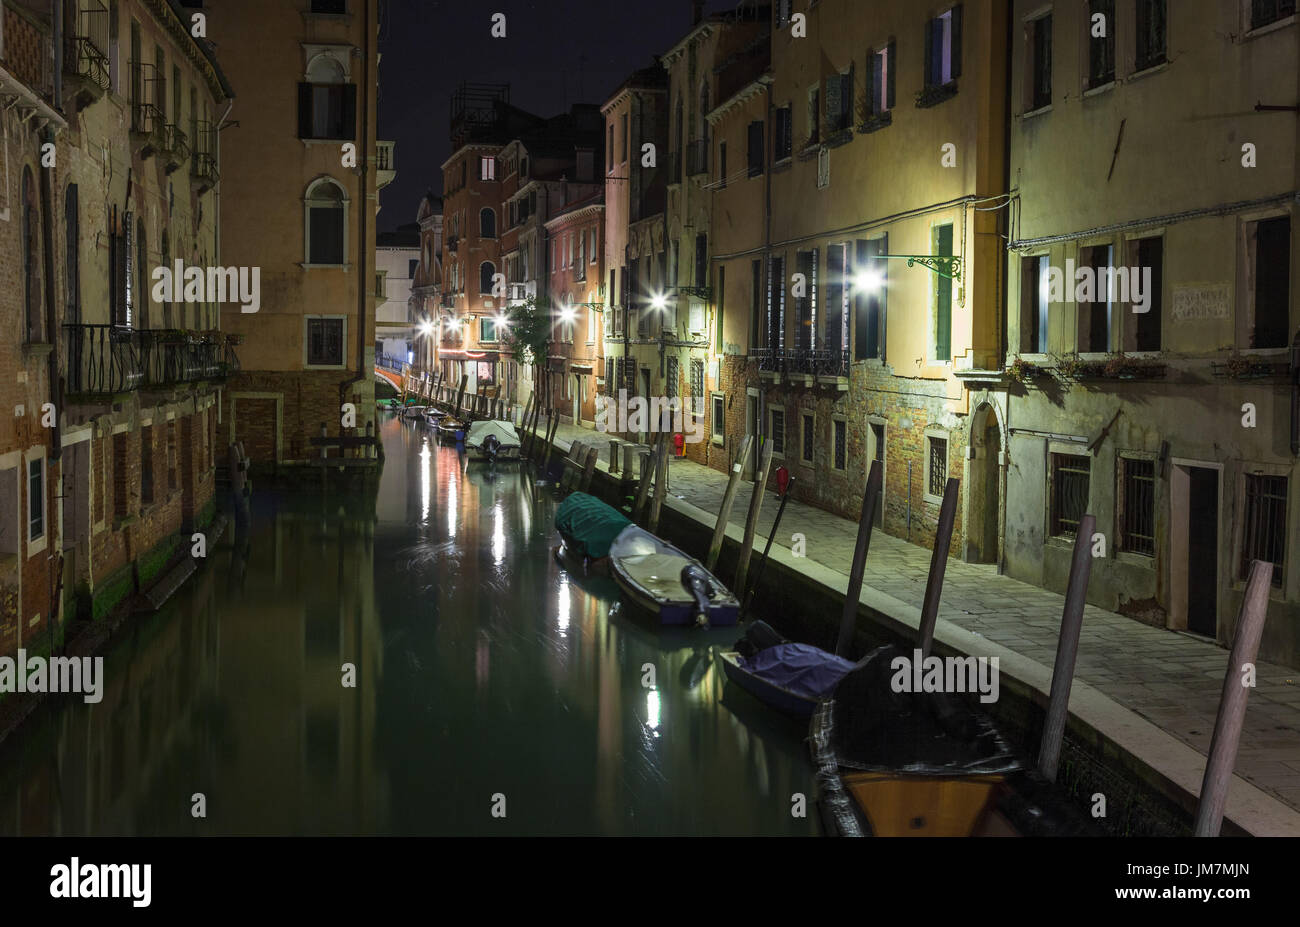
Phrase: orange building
x=577 y=268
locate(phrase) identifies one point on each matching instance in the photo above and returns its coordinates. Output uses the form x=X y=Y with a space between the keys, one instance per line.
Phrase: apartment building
x=576 y=356
x=397 y=259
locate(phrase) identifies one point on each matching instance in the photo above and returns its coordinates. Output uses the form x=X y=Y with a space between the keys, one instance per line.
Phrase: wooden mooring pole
x=866 y=521
x=751 y=521
x=728 y=497
x=938 y=565
x=661 y=482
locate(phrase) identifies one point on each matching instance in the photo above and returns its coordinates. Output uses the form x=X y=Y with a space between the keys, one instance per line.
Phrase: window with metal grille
x=1070 y=475
x=36 y=499
x=776 y=304
x=1152 y=33
x=840 y=450
x=806 y=454
x=1137 y=506
x=777 y=432
x=670 y=384
x=719 y=416
x=782 y=140
x=938 y=477
x=697 y=386
x=325 y=342
x=1263 y=528
x=1263 y=12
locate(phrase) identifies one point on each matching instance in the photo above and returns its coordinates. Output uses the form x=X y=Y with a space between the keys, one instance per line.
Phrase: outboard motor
x=696 y=580
x=491 y=446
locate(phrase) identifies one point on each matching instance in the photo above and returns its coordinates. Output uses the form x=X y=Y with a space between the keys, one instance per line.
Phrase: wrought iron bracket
x=944 y=265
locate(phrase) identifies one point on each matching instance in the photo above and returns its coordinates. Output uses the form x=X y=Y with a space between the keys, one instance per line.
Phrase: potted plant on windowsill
x=1023 y=371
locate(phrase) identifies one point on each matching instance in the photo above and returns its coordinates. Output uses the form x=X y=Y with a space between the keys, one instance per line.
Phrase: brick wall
x=306 y=400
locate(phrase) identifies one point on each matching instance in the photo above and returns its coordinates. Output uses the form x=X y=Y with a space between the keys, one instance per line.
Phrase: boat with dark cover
x=788 y=676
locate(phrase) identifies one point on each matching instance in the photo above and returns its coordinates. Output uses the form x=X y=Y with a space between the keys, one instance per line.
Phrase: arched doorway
x=985 y=488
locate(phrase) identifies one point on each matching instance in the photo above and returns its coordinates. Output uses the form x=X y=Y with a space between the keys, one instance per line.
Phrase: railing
x=697 y=157
x=108 y=359
x=389 y=362
x=176 y=144
x=771 y=360
x=91 y=43
x=203 y=165
x=831 y=362
x=147 y=85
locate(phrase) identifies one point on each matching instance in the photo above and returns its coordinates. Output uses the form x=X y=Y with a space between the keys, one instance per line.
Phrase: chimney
x=697 y=12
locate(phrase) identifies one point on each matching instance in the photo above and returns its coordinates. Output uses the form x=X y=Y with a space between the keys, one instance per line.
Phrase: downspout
x=47 y=234
x=1004 y=283
x=216 y=224
x=362 y=219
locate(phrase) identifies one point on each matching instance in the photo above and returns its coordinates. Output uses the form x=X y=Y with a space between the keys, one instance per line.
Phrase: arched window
x=486 y=271
x=325 y=222
x=32 y=294
x=72 y=254
x=141 y=273
x=326 y=103
x=487 y=223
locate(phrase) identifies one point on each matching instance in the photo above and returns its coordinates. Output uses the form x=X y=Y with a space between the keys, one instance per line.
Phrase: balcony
x=176 y=147
x=203 y=164
x=697 y=157
x=105 y=360
x=148 y=122
x=385 y=164
x=804 y=366
x=88 y=58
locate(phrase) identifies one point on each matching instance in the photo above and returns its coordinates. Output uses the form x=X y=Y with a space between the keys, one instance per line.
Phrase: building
x=397 y=260
x=302 y=170
x=107 y=467
x=576 y=357
x=1164 y=405
x=426 y=287
x=685 y=321
x=636 y=133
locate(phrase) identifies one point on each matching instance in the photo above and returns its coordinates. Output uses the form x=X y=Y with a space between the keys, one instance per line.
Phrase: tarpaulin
x=801 y=668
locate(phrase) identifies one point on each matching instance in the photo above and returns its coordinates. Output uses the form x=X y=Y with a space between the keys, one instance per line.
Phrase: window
x=754 y=149
x=839 y=102
x=782 y=10
x=836 y=337
x=839 y=449
x=776 y=304
x=36 y=499
x=670 y=378
x=591 y=252
x=1267 y=302
x=1101 y=48
x=806 y=445
x=1137 y=506
x=141 y=274
x=870 y=298
x=580 y=271
x=722 y=164
x=1142 y=329
x=1152 y=37
x=701 y=260
x=936 y=479
x=487 y=168
x=1033 y=304
x=776 y=432
x=487 y=223
x=325 y=223
x=33 y=294
x=814 y=115
x=806 y=305
x=410 y=267
x=486 y=271
x=1263 y=528
x=1263 y=12
x=697 y=387
x=719 y=418
x=146 y=464
x=487 y=329
x=943 y=48
x=609 y=166
x=1095 y=314
x=782 y=142
x=755 y=303
x=942 y=239
x=1039 y=71
x=626 y=135
x=325 y=342
x=327 y=106
x=880 y=78
x=1069 y=493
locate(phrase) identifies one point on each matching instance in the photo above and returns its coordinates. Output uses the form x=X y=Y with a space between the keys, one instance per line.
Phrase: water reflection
x=480 y=667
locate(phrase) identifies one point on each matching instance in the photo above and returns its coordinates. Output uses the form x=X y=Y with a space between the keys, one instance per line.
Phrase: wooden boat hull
x=778 y=697
x=505 y=455
x=668 y=601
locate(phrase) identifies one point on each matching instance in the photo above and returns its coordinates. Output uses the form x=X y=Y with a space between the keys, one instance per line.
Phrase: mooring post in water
x=615 y=448
x=525 y=447
x=1067 y=648
x=460 y=393
x=661 y=481
x=552 y=426
x=728 y=497
x=643 y=487
x=1232 y=705
x=324 y=448
x=751 y=521
x=866 y=521
x=589 y=471
x=938 y=565
x=767 y=549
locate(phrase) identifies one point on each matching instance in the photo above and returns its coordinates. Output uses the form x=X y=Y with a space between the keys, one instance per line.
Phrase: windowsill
x=840 y=137
x=307 y=266
x=1030 y=114
x=1267 y=352
x=37 y=348
x=931 y=500
x=1099 y=89
x=1146 y=72
x=716 y=441
x=326 y=141
x=878 y=121
x=803 y=462
x=324 y=367
x=782 y=165
x=936 y=94
x=1096 y=355
x=1140 y=560
x=1271 y=27
x=37 y=546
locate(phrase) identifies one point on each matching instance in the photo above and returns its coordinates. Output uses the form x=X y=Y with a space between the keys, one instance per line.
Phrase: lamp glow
x=659 y=301
x=868 y=281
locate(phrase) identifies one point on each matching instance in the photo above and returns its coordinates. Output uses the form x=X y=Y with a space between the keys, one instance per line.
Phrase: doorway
x=751 y=428
x=985 y=504
x=1194 y=548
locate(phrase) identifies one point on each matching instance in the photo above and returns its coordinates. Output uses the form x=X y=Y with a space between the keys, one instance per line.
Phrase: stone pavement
x=1170 y=679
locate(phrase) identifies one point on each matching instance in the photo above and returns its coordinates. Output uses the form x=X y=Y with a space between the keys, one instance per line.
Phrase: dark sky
x=430 y=46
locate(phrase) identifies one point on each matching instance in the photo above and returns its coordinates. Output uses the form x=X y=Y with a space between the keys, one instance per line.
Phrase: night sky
x=430 y=46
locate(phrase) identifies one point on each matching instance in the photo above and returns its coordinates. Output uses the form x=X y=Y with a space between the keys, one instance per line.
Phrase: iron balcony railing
x=103 y=360
x=771 y=360
x=203 y=163
x=821 y=362
x=176 y=144
x=90 y=42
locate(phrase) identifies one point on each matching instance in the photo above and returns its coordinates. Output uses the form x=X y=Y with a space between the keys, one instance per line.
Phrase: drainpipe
x=363 y=218
x=51 y=313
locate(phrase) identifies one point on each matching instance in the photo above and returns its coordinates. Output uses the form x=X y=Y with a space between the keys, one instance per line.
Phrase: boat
x=900 y=763
x=670 y=584
x=451 y=428
x=785 y=675
x=413 y=411
x=492 y=440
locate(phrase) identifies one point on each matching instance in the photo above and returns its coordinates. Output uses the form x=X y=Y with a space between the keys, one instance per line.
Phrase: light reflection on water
x=481 y=667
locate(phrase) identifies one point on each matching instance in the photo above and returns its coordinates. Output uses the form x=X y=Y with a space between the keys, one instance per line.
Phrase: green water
x=488 y=679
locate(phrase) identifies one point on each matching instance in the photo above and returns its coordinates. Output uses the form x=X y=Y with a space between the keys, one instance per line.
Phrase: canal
x=495 y=693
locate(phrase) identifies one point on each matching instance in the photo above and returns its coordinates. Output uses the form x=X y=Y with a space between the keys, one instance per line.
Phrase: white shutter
x=823 y=167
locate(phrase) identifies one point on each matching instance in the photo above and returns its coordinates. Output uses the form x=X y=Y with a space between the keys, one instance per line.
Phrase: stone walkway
x=1170 y=679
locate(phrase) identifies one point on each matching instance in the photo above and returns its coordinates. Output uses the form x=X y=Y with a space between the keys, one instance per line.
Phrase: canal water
x=495 y=692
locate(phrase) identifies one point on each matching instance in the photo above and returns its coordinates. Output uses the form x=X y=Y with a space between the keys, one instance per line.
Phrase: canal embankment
x=1144 y=699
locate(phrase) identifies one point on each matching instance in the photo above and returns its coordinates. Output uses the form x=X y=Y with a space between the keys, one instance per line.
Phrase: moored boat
x=492 y=440
x=451 y=428
x=788 y=676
